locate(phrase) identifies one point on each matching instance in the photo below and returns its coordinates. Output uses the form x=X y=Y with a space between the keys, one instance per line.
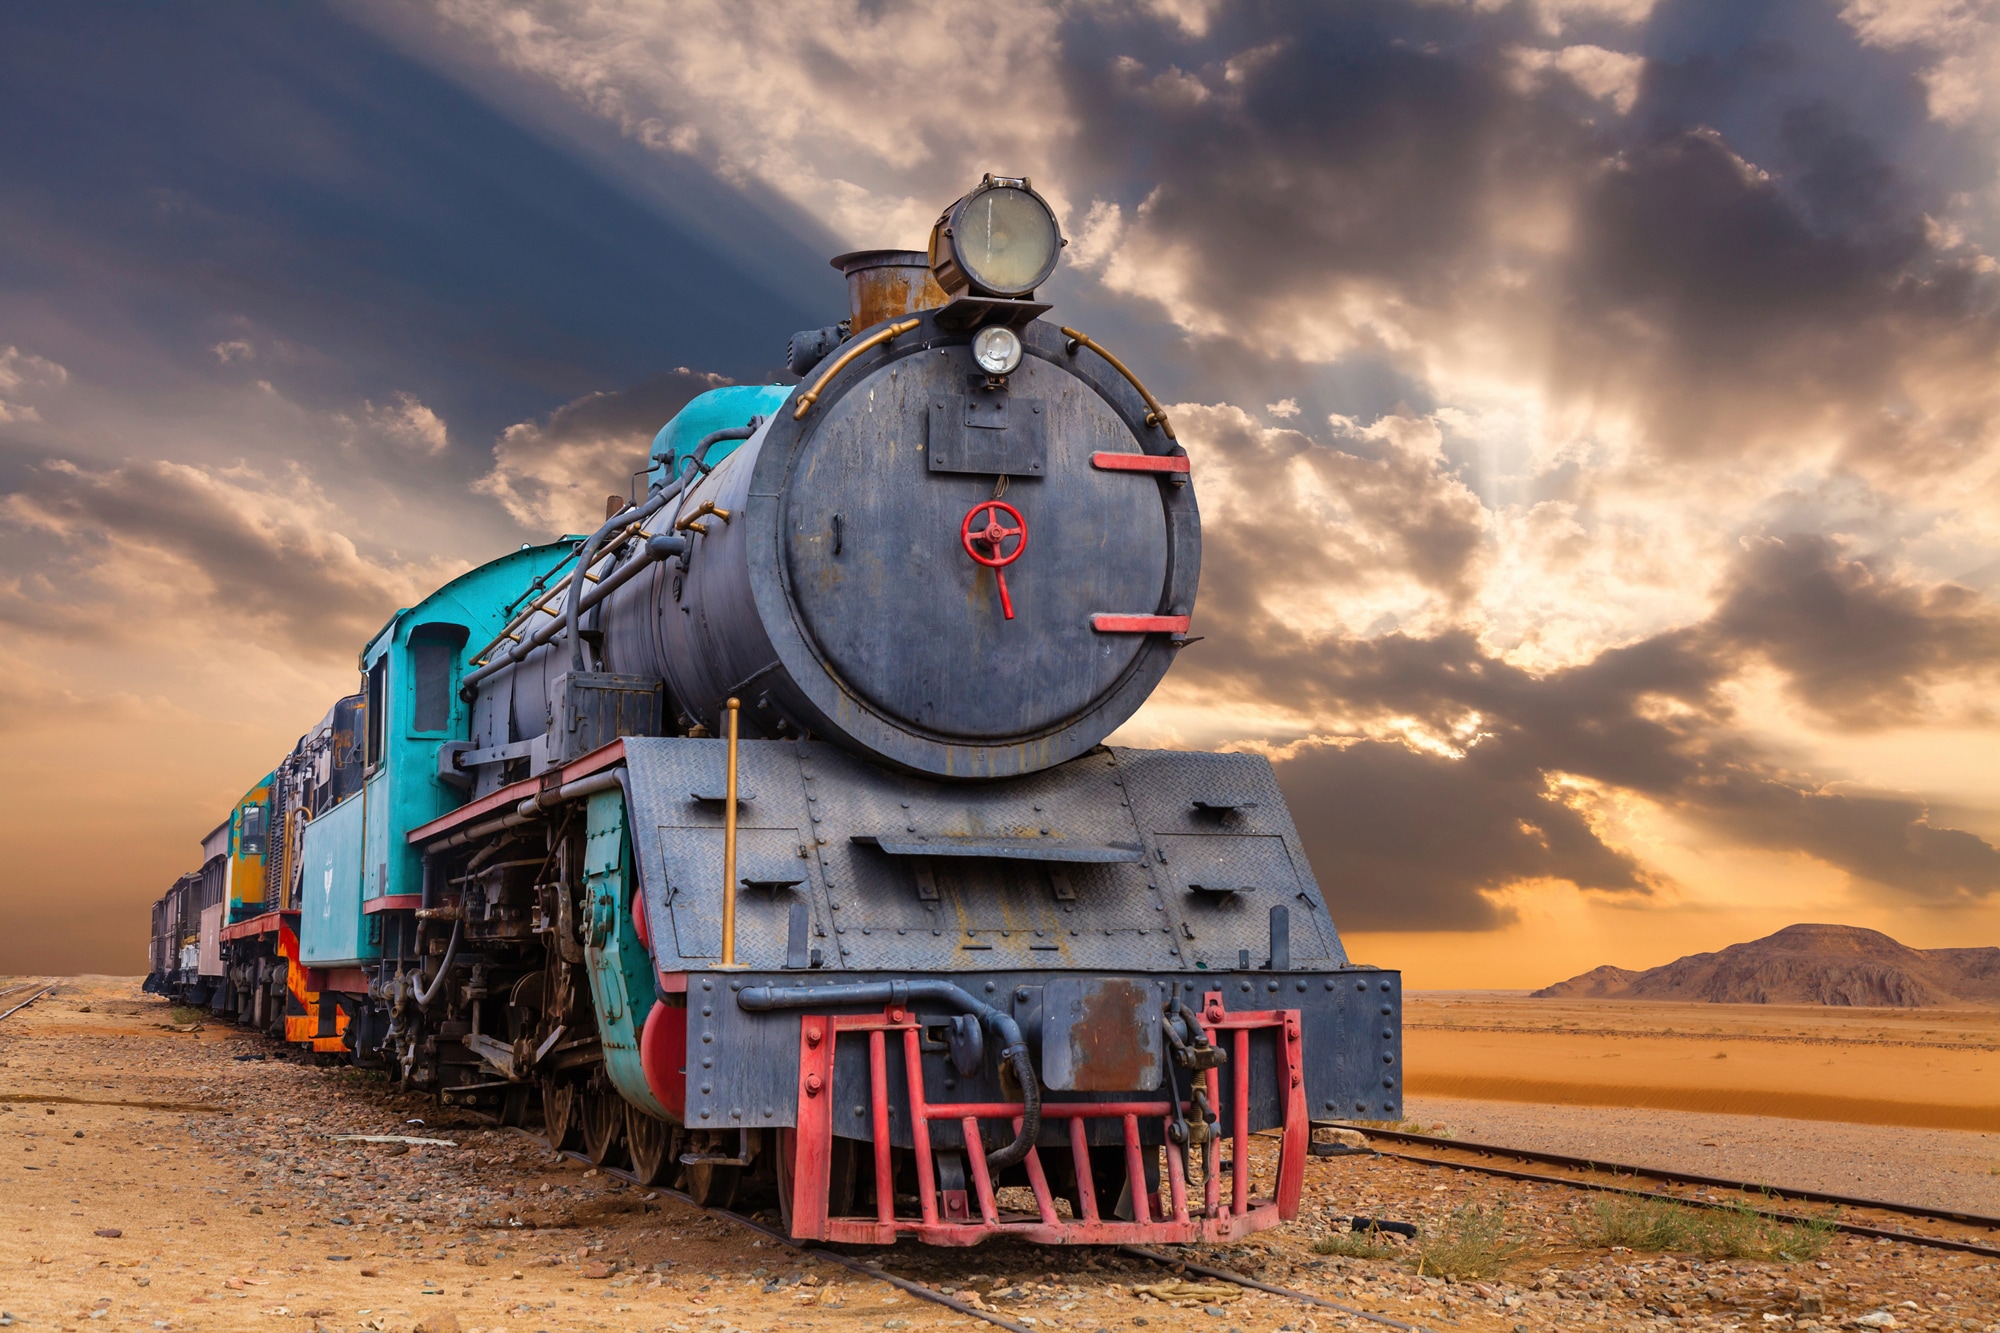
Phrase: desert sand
x=160 y=1180
x=1931 y=1068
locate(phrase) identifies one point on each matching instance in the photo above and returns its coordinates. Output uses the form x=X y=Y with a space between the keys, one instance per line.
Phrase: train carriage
x=768 y=838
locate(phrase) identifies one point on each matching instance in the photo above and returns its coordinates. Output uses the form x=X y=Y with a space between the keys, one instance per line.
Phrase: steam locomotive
x=765 y=839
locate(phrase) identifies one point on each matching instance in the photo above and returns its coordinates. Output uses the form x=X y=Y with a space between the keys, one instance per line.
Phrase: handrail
x=1156 y=415
x=811 y=396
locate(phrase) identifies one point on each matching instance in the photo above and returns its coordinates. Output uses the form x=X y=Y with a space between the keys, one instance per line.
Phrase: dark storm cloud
x=1855 y=644
x=1648 y=718
x=1404 y=157
x=1402 y=839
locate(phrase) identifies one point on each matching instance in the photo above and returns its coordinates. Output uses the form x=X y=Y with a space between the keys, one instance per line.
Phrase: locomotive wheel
x=713 y=1186
x=603 y=1115
x=561 y=1119
x=655 y=1146
x=787 y=1169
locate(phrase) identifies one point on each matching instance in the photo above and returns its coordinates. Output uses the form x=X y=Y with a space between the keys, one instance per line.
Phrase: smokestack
x=886 y=284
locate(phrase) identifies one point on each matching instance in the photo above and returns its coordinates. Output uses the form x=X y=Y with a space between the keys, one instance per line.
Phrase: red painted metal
x=663 y=1056
x=267 y=923
x=1115 y=624
x=996 y=535
x=346 y=980
x=639 y=921
x=1140 y=462
x=1159 y=1217
x=393 y=902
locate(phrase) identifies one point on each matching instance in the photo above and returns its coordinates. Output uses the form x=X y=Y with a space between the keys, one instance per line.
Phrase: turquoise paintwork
x=621 y=976
x=718 y=409
x=332 y=930
x=401 y=791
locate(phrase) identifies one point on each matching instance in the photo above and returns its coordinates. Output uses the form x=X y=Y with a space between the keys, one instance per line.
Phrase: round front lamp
x=1000 y=240
x=997 y=349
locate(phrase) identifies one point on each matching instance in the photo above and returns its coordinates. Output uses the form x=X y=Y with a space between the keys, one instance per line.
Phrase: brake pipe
x=534 y=807
x=469 y=687
x=759 y=999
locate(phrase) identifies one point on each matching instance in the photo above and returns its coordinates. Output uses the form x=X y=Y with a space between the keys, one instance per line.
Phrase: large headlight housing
x=1000 y=240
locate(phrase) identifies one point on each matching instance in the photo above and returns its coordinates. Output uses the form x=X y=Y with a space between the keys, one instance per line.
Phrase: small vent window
x=377 y=677
x=430 y=663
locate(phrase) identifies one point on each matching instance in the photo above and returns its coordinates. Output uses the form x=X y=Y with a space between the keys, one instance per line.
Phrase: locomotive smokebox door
x=906 y=610
x=1100 y=1034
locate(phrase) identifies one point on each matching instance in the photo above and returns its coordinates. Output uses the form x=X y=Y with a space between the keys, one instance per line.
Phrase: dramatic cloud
x=230 y=552
x=1618 y=535
x=20 y=373
x=553 y=475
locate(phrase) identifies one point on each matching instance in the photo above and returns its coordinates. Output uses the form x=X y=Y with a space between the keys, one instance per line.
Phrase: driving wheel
x=603 y=1115
x=560 y=1120
x=655 y=1147
x=711 y=1184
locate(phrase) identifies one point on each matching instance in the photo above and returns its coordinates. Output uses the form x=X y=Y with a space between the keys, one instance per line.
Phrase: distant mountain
x=1806 y=964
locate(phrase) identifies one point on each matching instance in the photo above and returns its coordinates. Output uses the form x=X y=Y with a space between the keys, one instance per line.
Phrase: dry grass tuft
x=1727 y=1233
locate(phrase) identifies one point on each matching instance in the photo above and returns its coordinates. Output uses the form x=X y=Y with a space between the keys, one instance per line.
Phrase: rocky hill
x=1805 y=964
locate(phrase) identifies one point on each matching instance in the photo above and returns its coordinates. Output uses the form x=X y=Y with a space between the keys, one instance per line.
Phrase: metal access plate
x=988 y=433
x=1100 y=1034
x=1230 y=863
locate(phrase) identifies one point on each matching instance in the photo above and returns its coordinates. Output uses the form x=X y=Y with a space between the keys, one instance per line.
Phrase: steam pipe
x=424 y=997
x=760 y=999
x=574 y=611
x=468 y=688
x=531 y=808
x=700 y=452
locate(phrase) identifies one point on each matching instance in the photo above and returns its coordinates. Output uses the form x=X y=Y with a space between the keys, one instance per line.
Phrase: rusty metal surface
x=887 y=284
x=1100 y=1034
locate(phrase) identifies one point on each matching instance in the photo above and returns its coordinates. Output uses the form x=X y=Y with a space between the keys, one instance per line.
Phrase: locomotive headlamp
x=997 y=349
x=1000 y=240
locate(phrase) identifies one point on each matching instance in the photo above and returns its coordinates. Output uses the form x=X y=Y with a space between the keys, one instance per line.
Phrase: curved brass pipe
x=1156 y=415
x=811 y=396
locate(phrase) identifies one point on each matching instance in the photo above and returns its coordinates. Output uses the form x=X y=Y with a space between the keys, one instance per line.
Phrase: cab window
x=434 y=650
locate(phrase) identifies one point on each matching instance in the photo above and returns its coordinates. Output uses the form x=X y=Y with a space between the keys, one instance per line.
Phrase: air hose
x=1014 y=1048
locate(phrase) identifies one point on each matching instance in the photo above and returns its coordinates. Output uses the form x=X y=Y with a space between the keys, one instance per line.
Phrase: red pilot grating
x=1116 y=624
x=1140 y=462
x=1173 y=1219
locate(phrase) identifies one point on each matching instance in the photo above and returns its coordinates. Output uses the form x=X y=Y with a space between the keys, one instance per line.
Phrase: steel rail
x=1240 y=1280
x=932 y=1294
x=831 y=1256
x=1599 y=1187
x=1682 y=1177
x=30 y=1000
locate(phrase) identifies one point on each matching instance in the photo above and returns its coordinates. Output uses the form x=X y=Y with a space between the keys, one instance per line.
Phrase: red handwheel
x=983 y=525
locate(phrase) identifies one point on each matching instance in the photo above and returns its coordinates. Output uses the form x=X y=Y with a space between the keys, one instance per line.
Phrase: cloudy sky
x=1595 y=404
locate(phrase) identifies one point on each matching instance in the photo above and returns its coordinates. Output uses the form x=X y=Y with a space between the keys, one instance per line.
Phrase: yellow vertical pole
x=729 y=846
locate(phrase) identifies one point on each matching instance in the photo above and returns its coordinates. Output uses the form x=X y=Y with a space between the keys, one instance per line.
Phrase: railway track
x=12 y=991
x=1468 y=1158
x=914 y=1288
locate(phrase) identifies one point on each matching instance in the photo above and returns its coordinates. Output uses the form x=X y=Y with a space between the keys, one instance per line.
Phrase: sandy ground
x=1936 y=1167
x=153 y=1179
x=1923 y=1068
